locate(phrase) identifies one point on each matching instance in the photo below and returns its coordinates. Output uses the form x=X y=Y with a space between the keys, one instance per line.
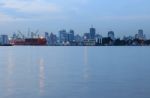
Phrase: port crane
x=30 y=34
x=22 y=35
x=34 y=35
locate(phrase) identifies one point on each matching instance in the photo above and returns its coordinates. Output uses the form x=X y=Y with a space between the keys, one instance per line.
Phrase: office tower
x=53 y=39
x=71 y=35
x=87 y=36
x=92 y=32
x=78 y=38
x=141 y=34
x=47 y=38
x=98 y=38
x=4 y=39
x=111 y=34
x=63 y=36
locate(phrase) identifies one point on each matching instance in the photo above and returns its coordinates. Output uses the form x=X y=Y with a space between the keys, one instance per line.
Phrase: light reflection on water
x=86 y=65
x=41 y=76
x=86 y=71
x=10 y=83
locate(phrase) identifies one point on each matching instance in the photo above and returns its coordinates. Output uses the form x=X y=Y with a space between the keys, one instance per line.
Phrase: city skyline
x=70 y=38
x=104 y=34
x=124 y=17
x=29 y=31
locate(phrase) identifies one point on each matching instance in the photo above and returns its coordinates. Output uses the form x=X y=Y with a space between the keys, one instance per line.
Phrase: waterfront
x=74 y=72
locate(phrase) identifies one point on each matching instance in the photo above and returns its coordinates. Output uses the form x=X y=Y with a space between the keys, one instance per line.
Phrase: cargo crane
x=32 y=39
x=22 y=35
x=34 y=35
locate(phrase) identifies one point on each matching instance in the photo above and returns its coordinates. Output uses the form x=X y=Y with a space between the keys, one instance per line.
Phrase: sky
x=124 y=17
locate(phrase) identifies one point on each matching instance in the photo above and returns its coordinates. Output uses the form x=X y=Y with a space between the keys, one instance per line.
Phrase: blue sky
x=125 y=17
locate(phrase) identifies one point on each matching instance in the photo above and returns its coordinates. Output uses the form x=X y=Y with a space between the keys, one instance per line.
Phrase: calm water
x=74 y=72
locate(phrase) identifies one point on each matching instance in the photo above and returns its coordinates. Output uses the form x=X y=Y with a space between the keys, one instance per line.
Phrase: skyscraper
x=111 y=34
x=53 y=39
x=140 y=35
x=63 y=36
x=140 y=32
x=92 y=32
x=47 y=38
x=71 y=35
x=4 y=39
x=87 y=36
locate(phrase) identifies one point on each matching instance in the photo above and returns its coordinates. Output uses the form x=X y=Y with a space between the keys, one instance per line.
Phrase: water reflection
x=86 y=65
x=9 y=75
x=41 y=76
x=86 y=74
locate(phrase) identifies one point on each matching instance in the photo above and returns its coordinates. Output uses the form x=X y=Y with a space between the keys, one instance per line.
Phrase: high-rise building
x=87 y=36
x=140 y=35
x=63 y=36
x=4 y=39
x=92 y=33
x=111 y=34
x=98 y=38
x=14 y=36
x=53 y=39
x=71 y=36
x=47 y=38
x=140 y=32
x=78 y=38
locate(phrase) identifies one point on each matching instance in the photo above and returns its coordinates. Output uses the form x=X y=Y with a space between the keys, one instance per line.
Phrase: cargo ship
x=34 y=39
x=28 y=41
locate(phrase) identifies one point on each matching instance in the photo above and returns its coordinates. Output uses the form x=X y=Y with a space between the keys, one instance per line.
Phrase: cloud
x=27 y=9
x=30 y=6
x=9 y=18
x=41 y=9
x=4 y=17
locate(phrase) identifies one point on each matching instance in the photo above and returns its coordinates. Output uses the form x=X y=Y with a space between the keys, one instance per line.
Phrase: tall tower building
x=63 y=37
x=92 y=32
x=111 y=34
x=4 y=39
x=140 y=34
x=47 y=37
x=71 y=35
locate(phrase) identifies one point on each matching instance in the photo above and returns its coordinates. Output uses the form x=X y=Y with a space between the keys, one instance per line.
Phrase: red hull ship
x=29 y=41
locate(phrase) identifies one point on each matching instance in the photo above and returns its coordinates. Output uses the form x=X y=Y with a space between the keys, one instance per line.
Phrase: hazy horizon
x=124 y=17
